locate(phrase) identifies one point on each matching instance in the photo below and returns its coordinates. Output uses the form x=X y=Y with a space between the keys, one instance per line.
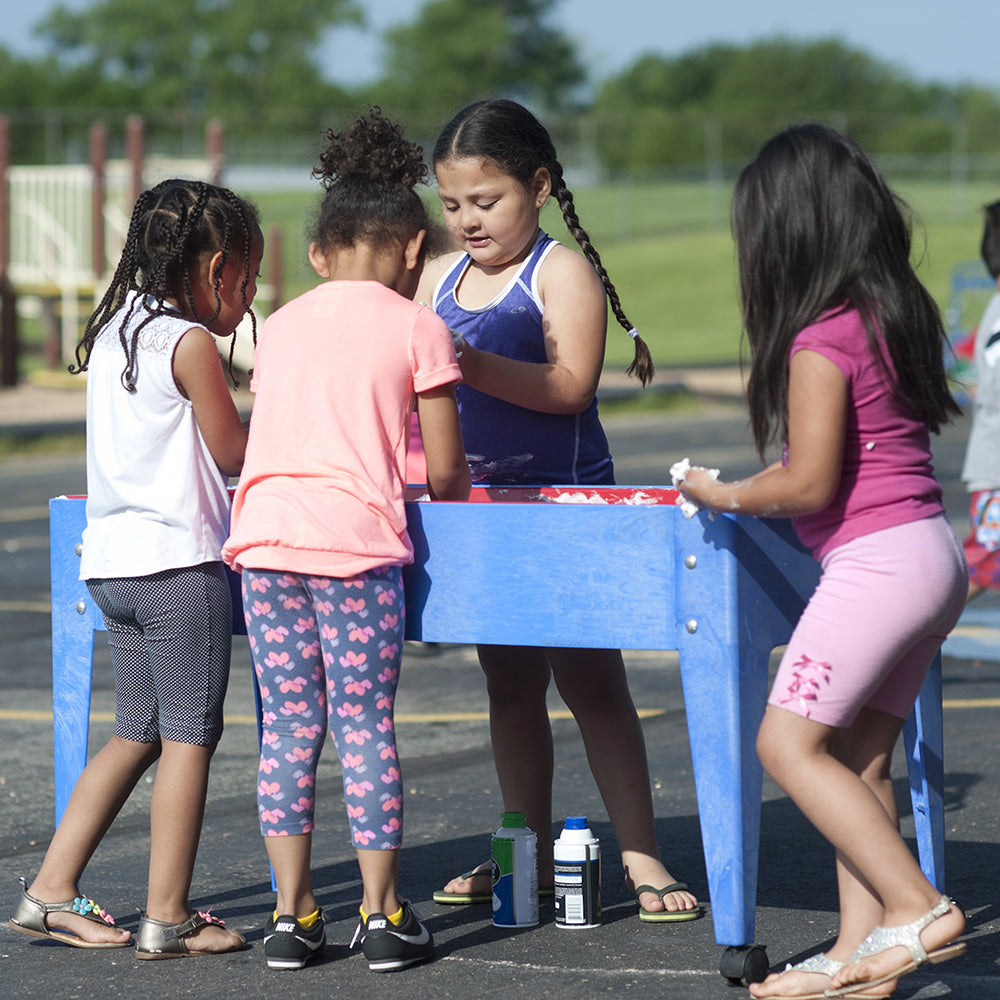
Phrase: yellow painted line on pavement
x=29 y=715
x=41 y=607
x=35 y=513
x=975 y=632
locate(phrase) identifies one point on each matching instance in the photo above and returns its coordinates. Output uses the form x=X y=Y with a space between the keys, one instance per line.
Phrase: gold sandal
x=158 y=939
x=29 y=918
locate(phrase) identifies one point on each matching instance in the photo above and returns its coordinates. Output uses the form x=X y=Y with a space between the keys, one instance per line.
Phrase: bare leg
x=865 y=748
x=594 y=685
x=517 y=679
x=380 y=877
x=98 y=796
x=175 y=819
x=291 y=859
x=801 y=756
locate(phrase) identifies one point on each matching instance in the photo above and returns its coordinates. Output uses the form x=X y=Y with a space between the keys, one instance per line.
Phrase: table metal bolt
x=691 y=625
x=81 y=607
x=690 y=561
x=78 y=548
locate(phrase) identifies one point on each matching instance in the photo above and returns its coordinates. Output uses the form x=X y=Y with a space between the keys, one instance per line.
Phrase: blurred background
x=654 y=107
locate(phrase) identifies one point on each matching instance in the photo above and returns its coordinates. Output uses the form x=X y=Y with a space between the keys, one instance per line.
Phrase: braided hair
x=369 y=171
x=173 y=226
x=516 y=141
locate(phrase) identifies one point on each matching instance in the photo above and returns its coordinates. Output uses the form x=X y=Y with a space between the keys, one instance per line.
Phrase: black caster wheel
x=744 y=964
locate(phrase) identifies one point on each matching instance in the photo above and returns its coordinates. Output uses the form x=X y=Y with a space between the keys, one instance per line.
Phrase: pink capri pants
x=883 y=607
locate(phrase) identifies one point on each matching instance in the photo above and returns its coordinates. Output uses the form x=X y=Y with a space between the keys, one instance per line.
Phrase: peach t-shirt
x=335 y=372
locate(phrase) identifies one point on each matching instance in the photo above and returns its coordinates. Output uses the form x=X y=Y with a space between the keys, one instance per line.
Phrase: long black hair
x=990 y=246
x=173 y=226
x=817 y=229
x=516 y=141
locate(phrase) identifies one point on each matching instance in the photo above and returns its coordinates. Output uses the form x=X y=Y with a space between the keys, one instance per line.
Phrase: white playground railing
x=52 y=229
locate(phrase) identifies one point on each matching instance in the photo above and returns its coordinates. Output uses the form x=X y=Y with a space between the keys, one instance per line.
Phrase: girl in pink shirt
x=847 y=373
x=319 y=530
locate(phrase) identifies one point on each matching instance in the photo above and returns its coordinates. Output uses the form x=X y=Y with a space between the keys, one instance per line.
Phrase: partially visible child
x=533 y=316
x=319 y=531
x=981 y=470
x=848 y=375
x=163 y=436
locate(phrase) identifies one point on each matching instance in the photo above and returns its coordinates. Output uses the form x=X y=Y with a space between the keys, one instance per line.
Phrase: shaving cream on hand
x=678 y=473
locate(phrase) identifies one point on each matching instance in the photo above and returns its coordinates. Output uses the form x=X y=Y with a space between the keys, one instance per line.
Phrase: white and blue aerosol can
x=577 y=857
x=515 y=873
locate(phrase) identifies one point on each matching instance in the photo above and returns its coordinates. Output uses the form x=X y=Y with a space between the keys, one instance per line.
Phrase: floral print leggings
x=326 y=654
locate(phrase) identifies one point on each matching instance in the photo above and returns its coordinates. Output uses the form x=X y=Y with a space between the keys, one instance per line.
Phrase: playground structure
x=62 y=229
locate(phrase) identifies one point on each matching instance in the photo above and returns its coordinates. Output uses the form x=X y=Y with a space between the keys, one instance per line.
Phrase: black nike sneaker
x=388 y=947
x=288 y=946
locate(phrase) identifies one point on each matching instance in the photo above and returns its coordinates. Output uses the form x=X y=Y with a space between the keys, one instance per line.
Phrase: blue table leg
x=741 y=586
x=923 y=736
x=74 y=619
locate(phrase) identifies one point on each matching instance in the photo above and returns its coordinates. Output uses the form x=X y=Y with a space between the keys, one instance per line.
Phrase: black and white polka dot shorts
x=171 y=637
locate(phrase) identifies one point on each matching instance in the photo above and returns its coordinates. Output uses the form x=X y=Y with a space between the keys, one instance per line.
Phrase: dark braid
x=513 y=138
x=173 y=225
x=642 y=361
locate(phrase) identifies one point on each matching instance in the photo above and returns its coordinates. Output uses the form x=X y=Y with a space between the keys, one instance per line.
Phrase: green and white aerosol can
x=515 y=873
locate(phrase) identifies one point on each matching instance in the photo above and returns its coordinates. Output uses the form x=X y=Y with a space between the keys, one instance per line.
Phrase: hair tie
x=633 y=333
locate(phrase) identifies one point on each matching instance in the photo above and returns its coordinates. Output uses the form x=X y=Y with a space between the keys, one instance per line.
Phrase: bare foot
x=214 y=939
x=895 y=960
x=791 y=983
x=644 y=870
x=86 y=930
x=479 y=882
x=803 y=982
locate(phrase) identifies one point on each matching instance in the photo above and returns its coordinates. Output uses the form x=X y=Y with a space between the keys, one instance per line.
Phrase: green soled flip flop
x=665 y=916
x=465 y=898
x=472 y=898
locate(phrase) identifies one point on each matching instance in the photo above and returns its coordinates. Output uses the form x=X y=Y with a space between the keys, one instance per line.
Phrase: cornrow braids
x=519 y=144
x=173 y=225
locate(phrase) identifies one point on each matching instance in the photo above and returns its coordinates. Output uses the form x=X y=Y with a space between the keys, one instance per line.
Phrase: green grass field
x=668 y=249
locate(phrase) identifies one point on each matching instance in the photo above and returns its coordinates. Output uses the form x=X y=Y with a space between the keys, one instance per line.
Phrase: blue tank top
x=508 y=444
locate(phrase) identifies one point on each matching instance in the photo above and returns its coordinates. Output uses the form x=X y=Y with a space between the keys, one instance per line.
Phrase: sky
x=930 y=42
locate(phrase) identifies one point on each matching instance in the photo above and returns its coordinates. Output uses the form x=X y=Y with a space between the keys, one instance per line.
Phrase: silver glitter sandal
x=29 y=918
x=158 y=939
x=821 y=964
x=906 y=936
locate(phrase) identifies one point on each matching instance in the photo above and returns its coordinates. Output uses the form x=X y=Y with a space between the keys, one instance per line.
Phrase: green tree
x=199 y=55
x=459 y=50
x=724 y=100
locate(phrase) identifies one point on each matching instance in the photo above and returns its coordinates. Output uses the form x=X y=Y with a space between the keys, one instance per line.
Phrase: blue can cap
x=576 y=822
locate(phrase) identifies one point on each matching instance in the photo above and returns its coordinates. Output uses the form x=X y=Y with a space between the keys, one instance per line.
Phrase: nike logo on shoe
x=422 y=938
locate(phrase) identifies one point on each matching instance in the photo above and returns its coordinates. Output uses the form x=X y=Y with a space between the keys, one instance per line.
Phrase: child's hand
x=696 y=484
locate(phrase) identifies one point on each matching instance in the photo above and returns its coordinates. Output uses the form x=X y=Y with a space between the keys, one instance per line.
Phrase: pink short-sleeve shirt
x=335 y=372
x=887 y=476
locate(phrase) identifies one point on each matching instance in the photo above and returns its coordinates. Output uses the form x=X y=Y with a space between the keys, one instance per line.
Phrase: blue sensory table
x=610 y=567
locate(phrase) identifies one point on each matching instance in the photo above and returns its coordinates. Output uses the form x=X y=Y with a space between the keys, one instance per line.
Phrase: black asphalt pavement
x=452 y=803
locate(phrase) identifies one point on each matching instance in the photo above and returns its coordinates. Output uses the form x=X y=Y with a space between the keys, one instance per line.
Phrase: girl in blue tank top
x=505 y=442
x=530 y=318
